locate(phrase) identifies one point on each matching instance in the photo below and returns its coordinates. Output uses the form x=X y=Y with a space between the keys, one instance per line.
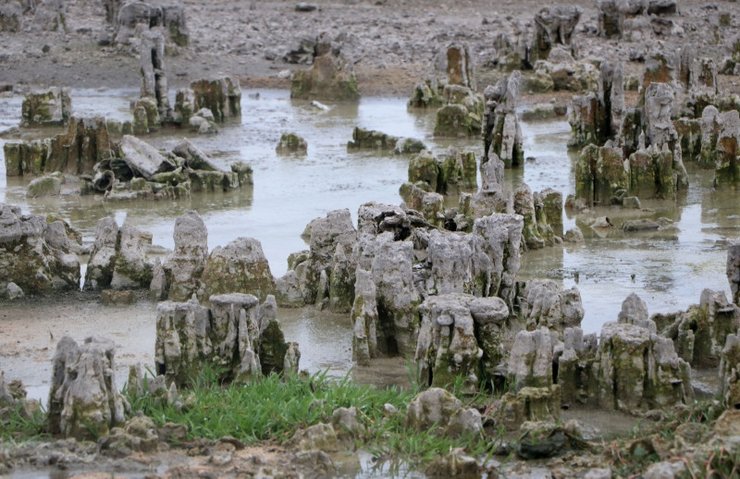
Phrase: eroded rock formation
x=236 y=334
x=331 y=76
x=502 y=134
x=84 y=402
x=37 y=254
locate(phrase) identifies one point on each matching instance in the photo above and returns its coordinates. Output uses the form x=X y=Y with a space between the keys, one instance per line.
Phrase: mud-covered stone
x=733 y=271
x=553 y=26
x=84 y=402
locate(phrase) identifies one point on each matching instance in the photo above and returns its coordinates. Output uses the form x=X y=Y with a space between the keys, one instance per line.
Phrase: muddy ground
x=391 y=42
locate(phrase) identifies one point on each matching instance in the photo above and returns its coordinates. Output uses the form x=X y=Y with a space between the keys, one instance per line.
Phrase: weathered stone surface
x=436 y=407
x=290 y=143
x=221 y=96
x=83 y=400
x=138 y=16
x=132 y=268
x=153 y=71
x=194 y=158
x=597 y=117
x=600 y=171
x=528 y=404
x=178 y=278
x=729 y=372
x=142 y=158
x=502 y=134
x=553 y=26
x=52 y=107
x=447 y=345
x=639 y=370
x=331 y=76
x=733 y=271
x=37 y=254
x=446 y=175
x=237 y=335
x=103 y=255
x=50 y=185
x=11 y=17
x=634 y=311
x=238 y=267
x=497 y=261
x=331 y=241
x=531 y=358
x=455 y=63
x=545 y=303
x=183 y=340
x=699 y=333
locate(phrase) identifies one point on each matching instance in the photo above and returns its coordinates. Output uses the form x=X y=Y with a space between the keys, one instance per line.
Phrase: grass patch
x=274 y=407
x=18 y=424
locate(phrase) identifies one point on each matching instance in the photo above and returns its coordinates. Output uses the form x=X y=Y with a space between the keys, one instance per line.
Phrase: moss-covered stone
x=48 y=108
x=291 y=143
x=456 y=121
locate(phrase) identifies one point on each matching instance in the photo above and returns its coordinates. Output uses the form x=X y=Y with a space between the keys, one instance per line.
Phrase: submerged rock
x=291 y=143
x=84 y=402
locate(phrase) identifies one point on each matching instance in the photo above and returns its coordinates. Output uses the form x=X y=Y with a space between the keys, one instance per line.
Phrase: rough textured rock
x=437 y=407
x=545 y=303
x=83 y=400
x=50 y=185
x=363 y=139
x=531 y=358
x=137 y=16
x=331 y=76
x=553 y=26
x=597 y=117
x=99 y=271
x=497 y=261
x=178 y=278
x=452 y=67
x=639 y=370
x=502 y=134
x=85 y=143
x=143 y=158
x=153 y=71
x=460 y=336
x=237 y=335
x=447 y=345
x=132 y=268
x=733 y=271
x=290 y=143
x=324 y=276
x=634 y=311
x=238 y=267
x=729 y=372
x=528 y=404
x=52 y=107
x=37 y=254
x=699 y=333
x=447 y=175
x=221 y=96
